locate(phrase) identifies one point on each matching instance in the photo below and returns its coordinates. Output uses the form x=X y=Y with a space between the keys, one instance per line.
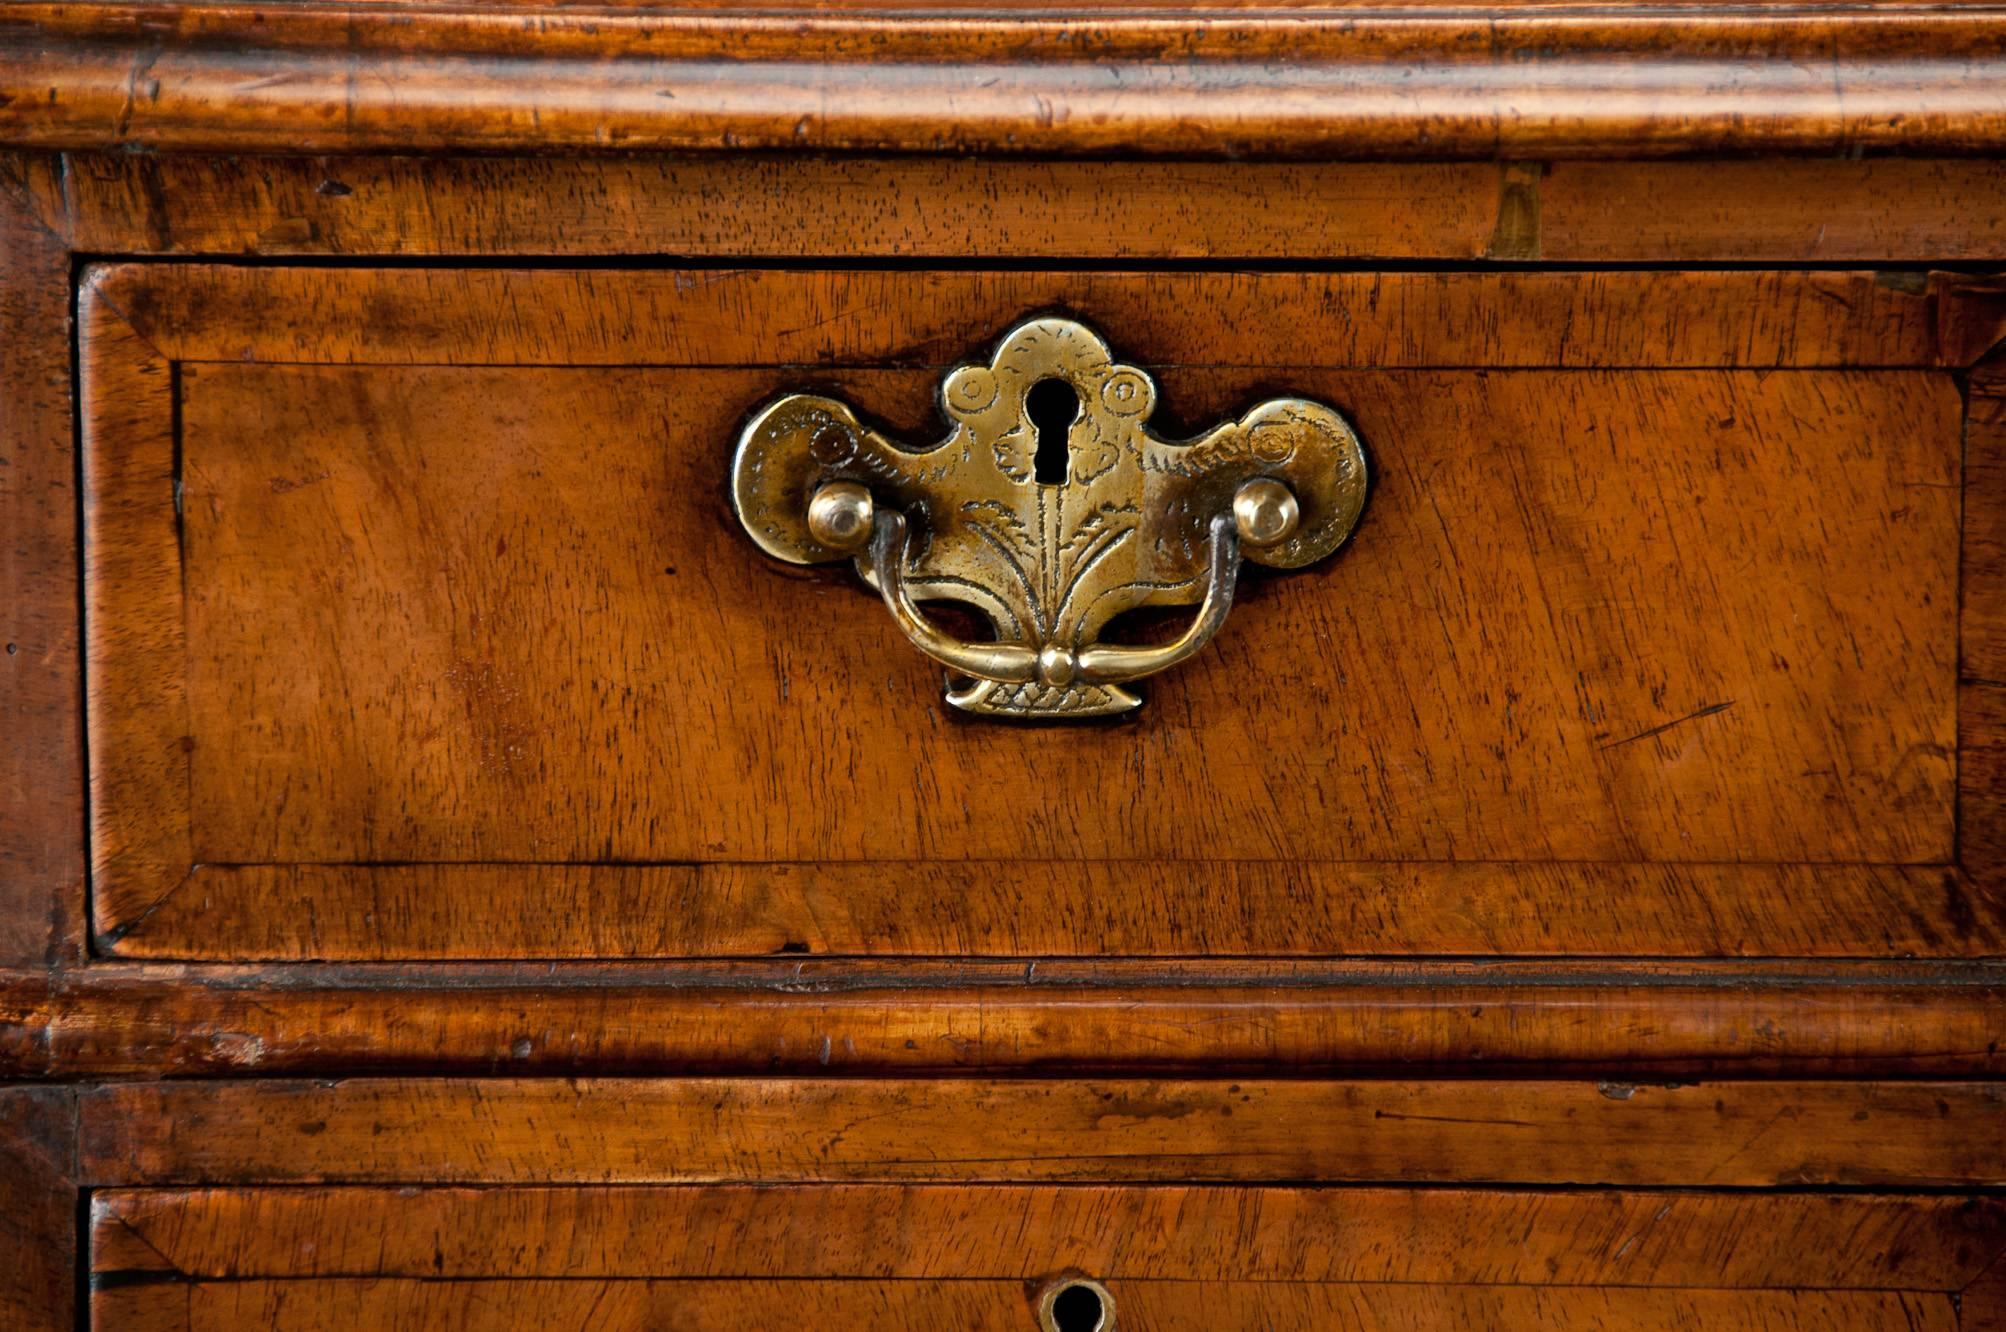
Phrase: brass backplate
x=1136 y=521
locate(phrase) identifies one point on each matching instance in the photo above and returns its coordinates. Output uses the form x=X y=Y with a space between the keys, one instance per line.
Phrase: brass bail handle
x=843 y=516
x=1133 y=520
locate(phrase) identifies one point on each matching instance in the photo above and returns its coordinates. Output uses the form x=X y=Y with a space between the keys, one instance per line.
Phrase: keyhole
x=1077 y=1306
x=1053 y=406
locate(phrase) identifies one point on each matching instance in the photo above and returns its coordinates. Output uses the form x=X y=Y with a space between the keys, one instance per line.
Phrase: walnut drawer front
x=506 y=1203
x=999 y=1257
x=418 y=626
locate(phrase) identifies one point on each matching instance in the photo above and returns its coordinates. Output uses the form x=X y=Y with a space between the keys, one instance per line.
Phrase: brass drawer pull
x=1050 y=527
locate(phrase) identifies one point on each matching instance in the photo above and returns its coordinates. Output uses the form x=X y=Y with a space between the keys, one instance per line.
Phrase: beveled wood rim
x=1379 y=82
x=1633 y=1021
x=510 y=1130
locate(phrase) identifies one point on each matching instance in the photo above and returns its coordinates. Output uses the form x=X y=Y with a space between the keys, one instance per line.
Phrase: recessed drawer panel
x=419 y=625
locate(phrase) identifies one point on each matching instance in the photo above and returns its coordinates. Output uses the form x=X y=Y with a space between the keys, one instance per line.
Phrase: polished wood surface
x=41 y=758
x=39 y=1240
x=206 y=1242
x=1773 y=211
x=321 y=757
x=1028 y=1232
x=1044 y=909
x=1390 y=82
x=1982 y=698
x=187 y=1230
x=434 y=672
x=1618 y=1020
x=799 y=320
x=529 y=1305
x=1167 y=1254
x=1617 y=945
x=1747 y=1134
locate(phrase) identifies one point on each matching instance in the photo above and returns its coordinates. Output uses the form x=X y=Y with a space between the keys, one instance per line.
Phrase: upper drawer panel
x=419 y=625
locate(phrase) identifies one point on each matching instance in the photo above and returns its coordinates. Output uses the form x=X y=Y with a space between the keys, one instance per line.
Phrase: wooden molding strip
x=877 y=319
x=1702 y=1239
x=499 y=1131
x=1033 y=909
x=1373 y=83
x=1162 y=1306
x=1629 y=1020
x=1816 y=210
x=41 y=761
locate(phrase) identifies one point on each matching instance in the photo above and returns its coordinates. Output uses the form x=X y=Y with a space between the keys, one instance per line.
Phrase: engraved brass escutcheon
x=1134 y=520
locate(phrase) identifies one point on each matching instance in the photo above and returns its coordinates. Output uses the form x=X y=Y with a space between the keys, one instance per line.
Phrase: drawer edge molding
x=1629 y=1022
x=1031 y=910
x=1734 y=1134
x=1383 y=83
x=1554 y=1238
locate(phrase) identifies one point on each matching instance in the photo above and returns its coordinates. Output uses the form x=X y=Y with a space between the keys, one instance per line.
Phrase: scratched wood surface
x=1621 y=1020
x=1982 y=598
x=913 y=1254
x=1028 y=1232
x=1982 y=1304
x=39 y=1239
x=41 y=758
x=736 y=316
x=1806 y=211
x=1024 y=908
x=477 y=612
x=522 y=1306
x=496 y=1131
x=1662 y=655
x=1393 y=82
x=549 y=646
x=919 y=1255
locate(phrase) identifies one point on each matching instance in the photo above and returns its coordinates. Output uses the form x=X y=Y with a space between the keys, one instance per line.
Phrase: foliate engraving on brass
x=1121 y=520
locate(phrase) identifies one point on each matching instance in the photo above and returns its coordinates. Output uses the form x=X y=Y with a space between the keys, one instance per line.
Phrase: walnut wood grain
x=1685 y=639
x=1036 y=909
x=1982 y=618
x=225 y=77
x=1982 y=589
x=361 y=1248
x=1971 y=319
x=330 y=755
x=1773 y=210
x=985 y=1306
x=41 y=756
x=1887 y=1135
x=1795 y=211
x=38 y=1209
x=1628 y=1021
x=1982 y=1303
x=133 y=555
x=1271 y=321
x=342 y=761
x=1981 y=789
x=911 y=1255
x=1019 y=1232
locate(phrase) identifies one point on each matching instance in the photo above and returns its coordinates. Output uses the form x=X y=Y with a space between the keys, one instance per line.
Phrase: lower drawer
x=960 y=1203
x=1076 y=1258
